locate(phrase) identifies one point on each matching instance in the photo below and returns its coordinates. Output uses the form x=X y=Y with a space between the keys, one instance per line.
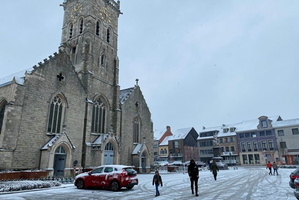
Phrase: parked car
x=293 y=176
x=113 y=177
x=296 y=192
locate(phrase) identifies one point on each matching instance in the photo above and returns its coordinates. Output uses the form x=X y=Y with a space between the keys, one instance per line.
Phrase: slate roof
x=18 y=77
x=124 y=94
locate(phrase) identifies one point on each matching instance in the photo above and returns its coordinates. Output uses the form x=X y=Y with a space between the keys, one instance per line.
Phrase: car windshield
x=130 y=170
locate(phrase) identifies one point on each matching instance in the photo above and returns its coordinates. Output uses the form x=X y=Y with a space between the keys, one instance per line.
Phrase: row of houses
x=250 y=142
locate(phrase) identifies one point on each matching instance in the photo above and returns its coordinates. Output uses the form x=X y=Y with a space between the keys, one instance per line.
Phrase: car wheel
x=80 y=184
x=130 y=187
x=114 y=186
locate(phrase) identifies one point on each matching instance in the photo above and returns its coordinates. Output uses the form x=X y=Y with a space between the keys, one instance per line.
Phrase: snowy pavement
x=251 y=183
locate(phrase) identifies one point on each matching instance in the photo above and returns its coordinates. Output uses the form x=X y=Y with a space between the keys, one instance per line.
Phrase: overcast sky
x=199 y=62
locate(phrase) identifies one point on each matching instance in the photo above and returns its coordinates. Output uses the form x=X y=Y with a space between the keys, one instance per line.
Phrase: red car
x=113 y=177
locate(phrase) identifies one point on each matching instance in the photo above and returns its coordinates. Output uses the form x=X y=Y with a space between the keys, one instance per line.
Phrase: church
x=68 y=110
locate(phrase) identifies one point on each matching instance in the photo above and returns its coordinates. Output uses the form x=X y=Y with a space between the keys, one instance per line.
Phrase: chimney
x=168 y=128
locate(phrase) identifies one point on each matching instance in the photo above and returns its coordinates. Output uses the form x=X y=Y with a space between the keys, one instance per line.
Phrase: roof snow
x=289 y=122
x=124 y=94
x=137 y=149
x=178 y=135
x=51 y=142
x=100 y=139
x=243 y=126
x=165 y=141
x=253 y=124
x=181 y=133
x=19 y=77
x=158 y=134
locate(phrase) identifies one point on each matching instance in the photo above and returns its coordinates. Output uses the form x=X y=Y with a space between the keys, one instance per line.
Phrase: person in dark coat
x=157 y=180
x=275 y=167
x=193 y=174
x=214 y=169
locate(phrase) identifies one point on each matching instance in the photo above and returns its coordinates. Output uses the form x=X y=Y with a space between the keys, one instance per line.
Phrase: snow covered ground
x=251 y=183
x=10 y=186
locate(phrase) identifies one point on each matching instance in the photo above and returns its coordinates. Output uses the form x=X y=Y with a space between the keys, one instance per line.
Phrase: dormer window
x=232 y=129
x=225 y=130
x=264 y=124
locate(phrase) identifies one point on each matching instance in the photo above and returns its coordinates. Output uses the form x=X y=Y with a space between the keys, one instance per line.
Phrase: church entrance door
x=59 y=161
x=109 y=154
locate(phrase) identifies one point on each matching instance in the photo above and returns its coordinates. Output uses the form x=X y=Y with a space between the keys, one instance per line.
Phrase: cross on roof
x=60 y=77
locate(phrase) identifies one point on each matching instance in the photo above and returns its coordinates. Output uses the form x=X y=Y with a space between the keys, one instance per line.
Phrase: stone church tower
x=69 y=110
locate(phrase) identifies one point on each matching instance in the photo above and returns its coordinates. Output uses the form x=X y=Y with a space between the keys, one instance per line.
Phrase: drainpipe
x=84 y=137
x=40 y=157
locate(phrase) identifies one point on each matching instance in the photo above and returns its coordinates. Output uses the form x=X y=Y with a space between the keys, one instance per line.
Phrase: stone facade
x=84 y=71
x=287 y=135
x=133 y=107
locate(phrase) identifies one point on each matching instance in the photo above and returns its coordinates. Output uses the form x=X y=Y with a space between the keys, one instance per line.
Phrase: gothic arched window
x=81 y=26
x=2 y=111
x=98 y=28
x=71 y=30
x=136 y=130
x=109 y=146
x=56 y=115
x=98 y=117
x=60 y=150
x=108 y=35
x=102 y=60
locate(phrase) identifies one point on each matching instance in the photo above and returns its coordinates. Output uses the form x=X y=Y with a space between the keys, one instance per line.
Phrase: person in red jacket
x=269 y=165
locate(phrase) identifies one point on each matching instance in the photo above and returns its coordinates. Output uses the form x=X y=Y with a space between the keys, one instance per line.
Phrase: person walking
x=193 y=174
x=157 y=180
x=275 y=167
x=214 y=169
x=210 y=164
x=269 y=165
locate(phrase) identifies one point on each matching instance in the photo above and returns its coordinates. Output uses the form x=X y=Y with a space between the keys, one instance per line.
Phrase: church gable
x=50 y=84
x=133 y=97
x=137 y=127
